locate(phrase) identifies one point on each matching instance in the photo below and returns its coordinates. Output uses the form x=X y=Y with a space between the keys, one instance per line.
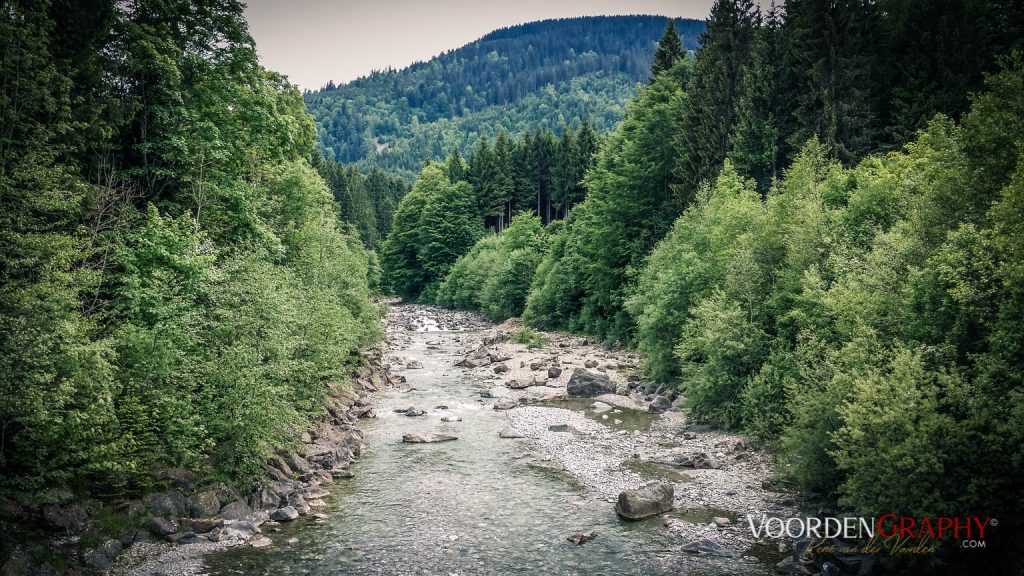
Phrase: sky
x=314 y=41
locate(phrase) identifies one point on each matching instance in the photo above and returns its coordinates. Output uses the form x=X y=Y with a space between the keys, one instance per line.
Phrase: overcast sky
x=313 y=41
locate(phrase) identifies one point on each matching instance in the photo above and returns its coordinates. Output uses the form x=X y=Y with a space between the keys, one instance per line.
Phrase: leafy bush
x=531 y=338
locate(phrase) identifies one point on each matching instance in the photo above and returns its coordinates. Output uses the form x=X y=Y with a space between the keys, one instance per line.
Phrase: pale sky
x=313 y=41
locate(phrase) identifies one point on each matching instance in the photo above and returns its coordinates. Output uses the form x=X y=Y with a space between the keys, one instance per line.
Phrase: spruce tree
x=670 y=50
x=836 y=59
x=713 y=93
x=455 y=167
x=760 y=147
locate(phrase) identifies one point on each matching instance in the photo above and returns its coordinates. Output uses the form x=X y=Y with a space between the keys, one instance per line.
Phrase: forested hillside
x=540 y=75
x=176 y=286
x=814 y=233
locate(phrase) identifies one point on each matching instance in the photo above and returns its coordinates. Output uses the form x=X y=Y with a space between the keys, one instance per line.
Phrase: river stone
x=97 y=560
x=260 y=542
x=562 y=428
x=160 y=526
x=520 y=384
x=581 y=538
x=506 y=403
x=707 y=547
x=600 y=407
x=286 y=514
x=500 y=369
x=590 y=364
x=646 y=501
x=414 y=412
x=790 y=566
x=554 y=372
x=315 y=492
x=510 y=432
x=587 y=384
x=426 y=438
x=204 y=504
x=451 y=418
x=414 y=365
x=169 y=504
x=659 y=404
x=236 y=510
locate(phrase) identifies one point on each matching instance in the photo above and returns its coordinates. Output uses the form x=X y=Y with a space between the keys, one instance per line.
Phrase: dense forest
x=519 y=79
x=176 y=285
x=452 y=205
x=814 y=232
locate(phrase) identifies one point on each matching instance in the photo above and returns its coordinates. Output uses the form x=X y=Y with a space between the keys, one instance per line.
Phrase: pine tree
x=760 y=147
x=670 y=50
x=835 y=58
x=455 y=167
x=713 y=93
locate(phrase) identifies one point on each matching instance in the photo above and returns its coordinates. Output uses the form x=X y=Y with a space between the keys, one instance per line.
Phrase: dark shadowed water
x=477 y=505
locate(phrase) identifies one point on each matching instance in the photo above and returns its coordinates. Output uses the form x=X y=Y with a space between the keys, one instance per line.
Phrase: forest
x=808 y=219
x=177 y=284
x=540 y=75
x=813 y=232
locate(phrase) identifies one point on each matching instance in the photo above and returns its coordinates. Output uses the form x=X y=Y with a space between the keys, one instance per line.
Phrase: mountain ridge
x=382 y=120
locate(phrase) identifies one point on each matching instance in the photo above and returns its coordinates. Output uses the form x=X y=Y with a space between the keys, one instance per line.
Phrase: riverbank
x=562 y=467
x=617 y=441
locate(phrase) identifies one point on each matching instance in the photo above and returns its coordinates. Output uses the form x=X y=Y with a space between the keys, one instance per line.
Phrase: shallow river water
x=477 y=505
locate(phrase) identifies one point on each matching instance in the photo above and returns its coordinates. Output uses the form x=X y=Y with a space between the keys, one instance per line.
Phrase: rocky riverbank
x=169 y=532
x=584 y=411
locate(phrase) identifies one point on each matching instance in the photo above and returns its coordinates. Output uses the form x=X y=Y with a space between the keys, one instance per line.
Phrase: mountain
x=538 y=75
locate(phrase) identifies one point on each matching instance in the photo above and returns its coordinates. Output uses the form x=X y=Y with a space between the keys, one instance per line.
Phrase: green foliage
x=670 y=50
x=630 y=206
x=860 y=318
x=434 y=225
x=494 y=277
x=176 y=287
x=530 y=338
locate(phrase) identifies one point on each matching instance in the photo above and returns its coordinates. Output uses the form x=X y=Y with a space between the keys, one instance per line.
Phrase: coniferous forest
x=806 y=219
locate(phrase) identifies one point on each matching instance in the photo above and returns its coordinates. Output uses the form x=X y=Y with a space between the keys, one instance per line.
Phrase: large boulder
x=426 y=438
x=168 y=504
x=587 y=384
x=510 y=432
x=204 y=504
x=286 y=514
x=236 y=510
x=646 y=501
x=506 y=403
x=659 y=404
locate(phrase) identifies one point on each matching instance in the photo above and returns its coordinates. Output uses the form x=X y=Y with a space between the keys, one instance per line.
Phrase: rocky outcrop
x=587 y=384
x=646 y=501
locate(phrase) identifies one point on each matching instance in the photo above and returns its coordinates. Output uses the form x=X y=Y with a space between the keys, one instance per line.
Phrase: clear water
x=477 y=505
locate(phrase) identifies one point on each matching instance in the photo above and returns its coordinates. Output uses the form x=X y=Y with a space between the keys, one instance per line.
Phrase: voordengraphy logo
x=967 y=531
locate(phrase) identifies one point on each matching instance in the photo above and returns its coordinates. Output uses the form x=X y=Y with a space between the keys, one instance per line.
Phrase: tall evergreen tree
x=712 y=96
x=760 y=147
x=670 y=50
x=835 y=55
x=455 y=167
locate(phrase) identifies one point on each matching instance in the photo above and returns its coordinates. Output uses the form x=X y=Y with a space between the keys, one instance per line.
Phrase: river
x=478 y=505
